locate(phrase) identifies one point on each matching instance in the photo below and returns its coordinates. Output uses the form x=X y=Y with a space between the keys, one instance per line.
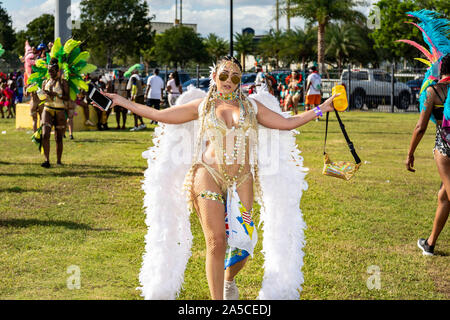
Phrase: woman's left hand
x=410 y=163
x=327 y=106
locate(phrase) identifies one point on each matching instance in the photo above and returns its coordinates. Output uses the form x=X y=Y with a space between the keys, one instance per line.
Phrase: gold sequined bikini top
x=57 y=102
x=244 y=123
x=240 y=135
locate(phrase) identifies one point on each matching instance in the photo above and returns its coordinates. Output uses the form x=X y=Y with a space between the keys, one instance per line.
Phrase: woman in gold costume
x=220 y=180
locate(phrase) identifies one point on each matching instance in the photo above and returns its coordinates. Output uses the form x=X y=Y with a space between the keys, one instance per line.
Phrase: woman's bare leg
x=295 y=102
x=46 y=131
x=60 y=128
x=212 y=218
x=287 y=102
x=442 y=211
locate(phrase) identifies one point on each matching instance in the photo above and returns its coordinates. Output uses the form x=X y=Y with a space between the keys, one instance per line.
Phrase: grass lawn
x=89 y=214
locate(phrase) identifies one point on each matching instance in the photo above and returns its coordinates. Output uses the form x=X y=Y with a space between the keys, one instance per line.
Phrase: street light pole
x=231 y=28
x=176 y=11
x=181 y=11
x=63 y=22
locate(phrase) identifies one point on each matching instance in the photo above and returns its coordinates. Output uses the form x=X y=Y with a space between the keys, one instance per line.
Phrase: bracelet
x=318 y=112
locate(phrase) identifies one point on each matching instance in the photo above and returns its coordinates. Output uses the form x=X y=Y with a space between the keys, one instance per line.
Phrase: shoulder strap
x=326 y=133
x=438 y=94
x=349 y=143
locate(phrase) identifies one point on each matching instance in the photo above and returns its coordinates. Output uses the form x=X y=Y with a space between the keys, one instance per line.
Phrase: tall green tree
x=323 y=12
x=244 y=45
x=299 y=46
x=7 y=35
x=392 y=28
x=216 y=46
x=180 y=45
x=118 y=27
x=342 y=41
x=271 y=46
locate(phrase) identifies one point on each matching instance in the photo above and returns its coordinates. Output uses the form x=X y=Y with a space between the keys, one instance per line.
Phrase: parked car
x=203 y=84
x=162 y=74
x=371 y=87
x=247 y=81
x=415 y=86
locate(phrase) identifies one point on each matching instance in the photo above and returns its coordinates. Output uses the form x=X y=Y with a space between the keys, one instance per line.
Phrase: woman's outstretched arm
x=176 y=115
x=273 y=120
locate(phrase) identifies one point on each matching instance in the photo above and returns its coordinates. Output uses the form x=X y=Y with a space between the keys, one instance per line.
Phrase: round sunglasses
x=224 y=76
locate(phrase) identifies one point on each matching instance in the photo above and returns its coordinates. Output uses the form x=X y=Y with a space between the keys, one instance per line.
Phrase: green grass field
x=89 y=214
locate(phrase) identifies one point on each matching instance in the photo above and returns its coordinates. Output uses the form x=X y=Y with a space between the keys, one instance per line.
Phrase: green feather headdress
x=2 y=51
x=72 y=64
x=135 y=67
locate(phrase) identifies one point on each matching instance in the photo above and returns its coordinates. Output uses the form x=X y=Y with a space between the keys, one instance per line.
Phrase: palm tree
x=216 y=46
x=342 y=41
x=299 y=46
x=244 y=44
x=323 y=12
x=271 y=46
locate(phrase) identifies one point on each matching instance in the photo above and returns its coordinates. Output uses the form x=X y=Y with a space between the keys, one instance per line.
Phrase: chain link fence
x=378 y=90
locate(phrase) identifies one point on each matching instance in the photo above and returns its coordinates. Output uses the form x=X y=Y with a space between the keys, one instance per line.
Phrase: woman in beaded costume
x=221 y=152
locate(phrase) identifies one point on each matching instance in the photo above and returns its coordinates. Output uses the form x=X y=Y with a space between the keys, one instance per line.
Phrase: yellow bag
x=341 y=169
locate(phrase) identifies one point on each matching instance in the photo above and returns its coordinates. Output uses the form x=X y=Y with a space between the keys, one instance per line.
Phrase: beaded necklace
x=226 y=96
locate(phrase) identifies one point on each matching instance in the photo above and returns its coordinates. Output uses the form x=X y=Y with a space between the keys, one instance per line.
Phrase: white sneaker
x=230 y=290
x=142 y=126
x=89 y=123
x=134 y=129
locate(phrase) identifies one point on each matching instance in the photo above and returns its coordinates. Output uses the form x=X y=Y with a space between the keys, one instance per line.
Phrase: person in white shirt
x=313 y=89
x=154 y=91
x=174 y=88
x=134 y=87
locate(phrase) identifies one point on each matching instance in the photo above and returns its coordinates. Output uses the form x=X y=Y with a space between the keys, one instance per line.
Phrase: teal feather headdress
x=72 y=64
x=435 y=31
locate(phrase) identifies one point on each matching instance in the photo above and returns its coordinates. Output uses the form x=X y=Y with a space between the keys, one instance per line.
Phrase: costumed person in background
x=20 y=86
x=29 y=60
x=214 y=155
x=82 y=102
x=7 y=99
x=313 y=89
x=174 y=88
x=56 y=91
x=136 y=93
x=434 y=105
x=120 y=84
x=107 y=84
x=12 y=85
x=35 y=107
x=58 y=85
x=294 y=91
x=259 y=80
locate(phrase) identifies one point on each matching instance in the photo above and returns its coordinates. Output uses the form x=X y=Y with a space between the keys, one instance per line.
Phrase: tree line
x=119 y=32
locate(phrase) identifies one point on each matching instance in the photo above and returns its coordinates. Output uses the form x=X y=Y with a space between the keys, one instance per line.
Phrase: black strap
x=438 y=94
x=349 y=143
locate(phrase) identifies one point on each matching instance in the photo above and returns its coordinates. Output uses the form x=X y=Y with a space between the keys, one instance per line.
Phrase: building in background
x=160 y=27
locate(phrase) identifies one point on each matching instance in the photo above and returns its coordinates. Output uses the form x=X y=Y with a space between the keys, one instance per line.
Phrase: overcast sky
x=209 y=15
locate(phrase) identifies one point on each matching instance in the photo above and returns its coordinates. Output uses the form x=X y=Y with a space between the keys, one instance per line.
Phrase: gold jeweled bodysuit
x=234 y=154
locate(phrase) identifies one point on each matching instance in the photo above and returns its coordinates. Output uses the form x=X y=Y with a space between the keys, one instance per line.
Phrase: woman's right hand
x=117 y=100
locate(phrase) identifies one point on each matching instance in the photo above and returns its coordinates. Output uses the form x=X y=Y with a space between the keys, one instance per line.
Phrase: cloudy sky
x=209 y=15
